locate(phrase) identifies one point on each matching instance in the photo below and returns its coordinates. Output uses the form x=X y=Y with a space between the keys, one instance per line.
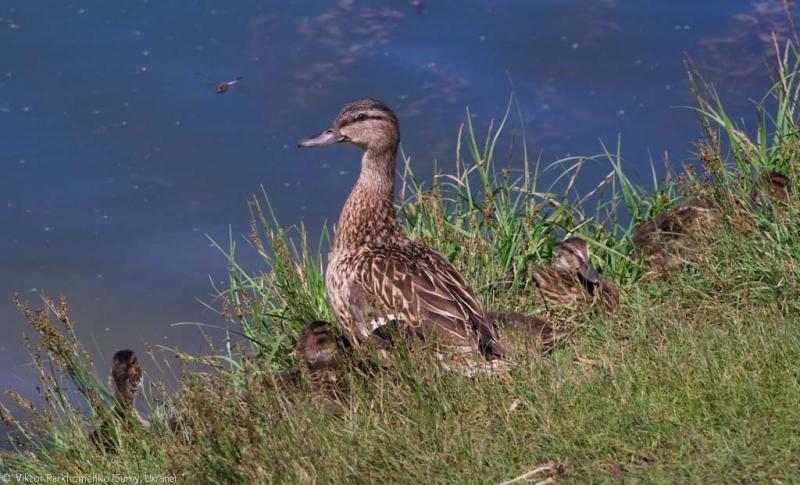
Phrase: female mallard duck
x=376 y=274
x=653 y=238
x=574 y=280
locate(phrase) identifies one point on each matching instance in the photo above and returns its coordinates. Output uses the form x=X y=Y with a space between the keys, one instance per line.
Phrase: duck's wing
x=423 y=286
x=558 y=285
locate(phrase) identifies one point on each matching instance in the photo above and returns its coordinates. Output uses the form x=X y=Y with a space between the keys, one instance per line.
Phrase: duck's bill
x=587 y=271
x=327 y=137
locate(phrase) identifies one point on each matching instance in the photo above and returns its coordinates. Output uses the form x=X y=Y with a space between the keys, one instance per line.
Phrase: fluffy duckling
x=377 y=275
x=574 y=281
x=320 y=351
x=653 y=239
x=527 y=327
x=777 y=185
x=126 y=379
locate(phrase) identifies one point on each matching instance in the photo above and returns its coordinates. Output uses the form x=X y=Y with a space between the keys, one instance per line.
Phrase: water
x=118 y=158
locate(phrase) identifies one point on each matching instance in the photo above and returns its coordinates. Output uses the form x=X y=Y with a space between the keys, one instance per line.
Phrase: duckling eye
x=361 y=116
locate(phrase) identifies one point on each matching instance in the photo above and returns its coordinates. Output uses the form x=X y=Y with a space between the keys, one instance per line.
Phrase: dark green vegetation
x=696 y=379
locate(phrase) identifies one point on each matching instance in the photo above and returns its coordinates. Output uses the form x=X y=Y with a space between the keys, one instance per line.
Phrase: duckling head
x=318 y=346
x=366 y=123
x=573 y=255
x=126 y=376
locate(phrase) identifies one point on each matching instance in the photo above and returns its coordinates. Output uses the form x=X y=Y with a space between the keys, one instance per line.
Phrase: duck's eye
x=361 y=116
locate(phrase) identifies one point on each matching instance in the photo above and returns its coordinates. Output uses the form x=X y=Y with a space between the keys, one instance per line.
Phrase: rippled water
x=118 y=157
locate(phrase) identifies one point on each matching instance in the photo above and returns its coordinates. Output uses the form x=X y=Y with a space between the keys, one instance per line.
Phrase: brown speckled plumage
x=376 y=273
x=672 y=225
x=527 y=327
x=777 y=185
x=656 y=240
x=574 y=281
x=126 y=377
x=319 y=351
x=608 y=294
x=560 y=286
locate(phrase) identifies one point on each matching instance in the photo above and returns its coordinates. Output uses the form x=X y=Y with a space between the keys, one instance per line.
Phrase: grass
x=695 y=380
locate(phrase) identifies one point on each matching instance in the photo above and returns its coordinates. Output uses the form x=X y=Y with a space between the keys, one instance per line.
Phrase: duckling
x=321 y=353
x=776 y=184
x=376 y=274
x=527 y=327
x=319 y=350
x=126 y=379
x=652 y=239
x=574 y=281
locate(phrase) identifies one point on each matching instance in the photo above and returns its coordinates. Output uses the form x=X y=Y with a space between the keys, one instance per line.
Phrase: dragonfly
x=221 y=87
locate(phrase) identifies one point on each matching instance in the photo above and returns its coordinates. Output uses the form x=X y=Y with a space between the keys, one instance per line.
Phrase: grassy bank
x=694 y=380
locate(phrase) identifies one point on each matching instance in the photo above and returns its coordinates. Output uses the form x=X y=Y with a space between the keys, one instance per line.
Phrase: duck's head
x=573 y=255
x=366 y=123
x=126 y=375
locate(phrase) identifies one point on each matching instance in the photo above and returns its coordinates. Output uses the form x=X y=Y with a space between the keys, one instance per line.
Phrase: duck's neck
x=368 y=216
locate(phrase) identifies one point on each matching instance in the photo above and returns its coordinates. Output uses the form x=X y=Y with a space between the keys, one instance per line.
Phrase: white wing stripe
x=380 y=322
